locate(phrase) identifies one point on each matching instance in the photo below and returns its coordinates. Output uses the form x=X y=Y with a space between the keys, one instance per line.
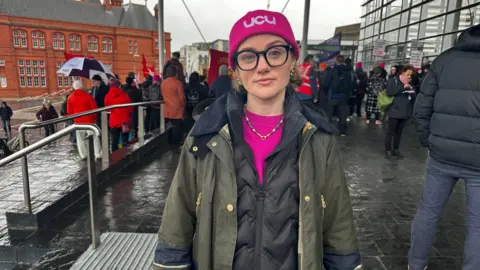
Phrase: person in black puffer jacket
x=6 y=114
x=135 y=95
x=447 y=119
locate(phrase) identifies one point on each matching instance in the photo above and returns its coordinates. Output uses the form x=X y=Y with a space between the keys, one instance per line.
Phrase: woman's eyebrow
x=276 y=42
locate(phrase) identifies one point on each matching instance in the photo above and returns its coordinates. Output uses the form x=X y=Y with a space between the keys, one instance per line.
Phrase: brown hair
x=340 y=59
x=406 y=68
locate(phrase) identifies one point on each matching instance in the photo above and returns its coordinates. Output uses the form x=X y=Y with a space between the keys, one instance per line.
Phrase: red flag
x=217 y=58
x=147 y=71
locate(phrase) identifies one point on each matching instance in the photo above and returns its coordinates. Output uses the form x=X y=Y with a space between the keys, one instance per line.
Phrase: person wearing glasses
x=260 y=183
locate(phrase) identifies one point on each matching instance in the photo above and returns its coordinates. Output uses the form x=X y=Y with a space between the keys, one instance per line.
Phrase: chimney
x=108 y=5
x=155 y=9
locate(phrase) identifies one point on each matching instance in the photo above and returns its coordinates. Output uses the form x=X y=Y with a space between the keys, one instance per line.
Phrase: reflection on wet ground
x=384 y=195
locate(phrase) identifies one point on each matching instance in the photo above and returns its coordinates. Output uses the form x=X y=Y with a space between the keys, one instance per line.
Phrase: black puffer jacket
x=447 y=114
x=402 y=106
x=268 y=229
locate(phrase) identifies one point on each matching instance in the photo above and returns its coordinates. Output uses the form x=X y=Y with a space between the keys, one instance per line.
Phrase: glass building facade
x=432 y=25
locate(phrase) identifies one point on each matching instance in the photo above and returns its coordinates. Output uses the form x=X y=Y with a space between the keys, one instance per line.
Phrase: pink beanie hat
x=260 y=22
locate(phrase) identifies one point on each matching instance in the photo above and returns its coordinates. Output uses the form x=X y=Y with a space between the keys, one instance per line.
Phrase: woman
x=376 y=85
x=120 y=118
x=174 y=97
x=259 y=184
x=47 y=112
x=393 y=72
x=400 y=111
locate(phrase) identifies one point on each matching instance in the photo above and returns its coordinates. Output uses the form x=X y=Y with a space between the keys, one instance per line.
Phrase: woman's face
x=393 y=70
x=408 y=73
x=265 y=82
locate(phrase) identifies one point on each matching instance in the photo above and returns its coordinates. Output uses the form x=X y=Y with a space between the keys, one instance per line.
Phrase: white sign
x=379 y=48
x=416 y=59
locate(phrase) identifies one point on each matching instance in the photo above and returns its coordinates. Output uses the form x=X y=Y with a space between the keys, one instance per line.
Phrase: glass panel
x=406 y=4
x=432 y=27
x=392 y=37
x=392 y=23
x=391 y=52
x=432 y=46
x=404 y=19
x=402 y=35
x=394 y=7
x=401 y=50
x=415 y=15
x=434 y=8
x=412 y=32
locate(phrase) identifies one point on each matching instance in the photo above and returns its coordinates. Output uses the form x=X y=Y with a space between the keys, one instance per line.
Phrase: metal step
x=122 y=251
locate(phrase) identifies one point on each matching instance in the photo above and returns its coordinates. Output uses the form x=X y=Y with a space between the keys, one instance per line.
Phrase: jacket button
x=230 y=208
x=307 y=198
x=214 y=144
x=195 y=149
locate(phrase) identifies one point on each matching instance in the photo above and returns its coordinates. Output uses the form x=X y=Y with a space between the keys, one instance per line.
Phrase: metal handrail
x=96 y=111
x=29 y=149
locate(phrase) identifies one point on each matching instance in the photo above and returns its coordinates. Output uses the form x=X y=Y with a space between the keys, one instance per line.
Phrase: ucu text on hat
x=259 y=20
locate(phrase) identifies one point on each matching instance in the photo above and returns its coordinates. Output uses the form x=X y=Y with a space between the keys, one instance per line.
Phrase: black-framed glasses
x=274 y=56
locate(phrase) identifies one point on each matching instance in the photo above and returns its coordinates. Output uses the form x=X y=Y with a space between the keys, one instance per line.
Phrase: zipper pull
x=324 y=205
x=199 y=199
x=260 y=193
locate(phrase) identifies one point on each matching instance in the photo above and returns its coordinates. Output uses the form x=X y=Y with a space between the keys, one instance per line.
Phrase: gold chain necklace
x=263 y=137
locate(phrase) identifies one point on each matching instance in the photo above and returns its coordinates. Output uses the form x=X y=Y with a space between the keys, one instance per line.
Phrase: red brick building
x=36 y=35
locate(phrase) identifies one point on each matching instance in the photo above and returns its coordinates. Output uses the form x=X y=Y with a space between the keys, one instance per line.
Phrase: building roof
x=129 y=16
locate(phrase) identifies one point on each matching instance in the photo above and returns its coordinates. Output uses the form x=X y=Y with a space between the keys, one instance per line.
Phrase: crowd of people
x=341 y=90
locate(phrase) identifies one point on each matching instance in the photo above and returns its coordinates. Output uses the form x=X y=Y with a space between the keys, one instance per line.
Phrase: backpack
x=193 y=97
x=342 y=81
x=153 y=93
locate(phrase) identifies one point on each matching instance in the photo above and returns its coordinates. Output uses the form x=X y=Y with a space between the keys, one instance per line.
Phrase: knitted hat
x=323 y=65
x=359 y=65
x=260 y=22
x=157 y=78
x=382 y=65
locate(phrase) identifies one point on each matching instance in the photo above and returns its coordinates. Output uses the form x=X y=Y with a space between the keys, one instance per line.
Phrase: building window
x=2 y=62
x=19 y=39
x=58 y=41
x=135 y=45
x=3 y=82
x=32 y=73
x=130 y=46
x=92 y=44
x=63 y=81
x=75 y=42
x=38 y=40
x=107 y=45
x=156 y=43
x=108 y=65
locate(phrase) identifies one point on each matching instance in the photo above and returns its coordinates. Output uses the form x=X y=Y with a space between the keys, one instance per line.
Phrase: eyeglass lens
x=275 y=57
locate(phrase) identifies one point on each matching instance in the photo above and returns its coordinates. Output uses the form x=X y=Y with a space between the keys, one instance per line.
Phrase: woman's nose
x=262 y=64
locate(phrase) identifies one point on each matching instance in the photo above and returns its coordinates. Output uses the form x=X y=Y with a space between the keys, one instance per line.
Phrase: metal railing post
x=92 y=185
x=105 y=144
x=24 y=165
x=162 y=119
x=141 y=125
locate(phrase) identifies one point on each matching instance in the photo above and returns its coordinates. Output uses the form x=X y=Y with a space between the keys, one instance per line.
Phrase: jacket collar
x=216 y=116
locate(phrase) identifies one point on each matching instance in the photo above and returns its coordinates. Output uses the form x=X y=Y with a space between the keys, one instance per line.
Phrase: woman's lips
x=264 y=81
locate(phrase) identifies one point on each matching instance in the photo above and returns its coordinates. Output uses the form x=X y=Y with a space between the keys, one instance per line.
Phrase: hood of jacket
x=79 y=93
x=115 y=92
x=469 y=40
x=216 y=116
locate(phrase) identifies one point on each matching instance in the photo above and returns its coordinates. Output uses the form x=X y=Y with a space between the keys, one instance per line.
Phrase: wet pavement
x=385 y=194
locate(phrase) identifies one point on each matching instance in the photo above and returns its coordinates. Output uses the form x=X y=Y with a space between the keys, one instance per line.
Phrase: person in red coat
x=120 y=118
x=80 y=101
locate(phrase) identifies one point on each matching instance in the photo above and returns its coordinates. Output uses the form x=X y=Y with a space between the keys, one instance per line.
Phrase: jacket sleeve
x=423 y=109
x=394 y=87
x=175 y=238
x=339 y=235
x=39 y=113
x=10 y=112
x=93 y=106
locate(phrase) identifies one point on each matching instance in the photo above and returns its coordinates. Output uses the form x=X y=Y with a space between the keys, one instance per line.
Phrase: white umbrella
x=83 y=67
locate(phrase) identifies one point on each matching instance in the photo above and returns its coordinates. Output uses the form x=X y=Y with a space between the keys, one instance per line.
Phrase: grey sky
x=216 y=17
